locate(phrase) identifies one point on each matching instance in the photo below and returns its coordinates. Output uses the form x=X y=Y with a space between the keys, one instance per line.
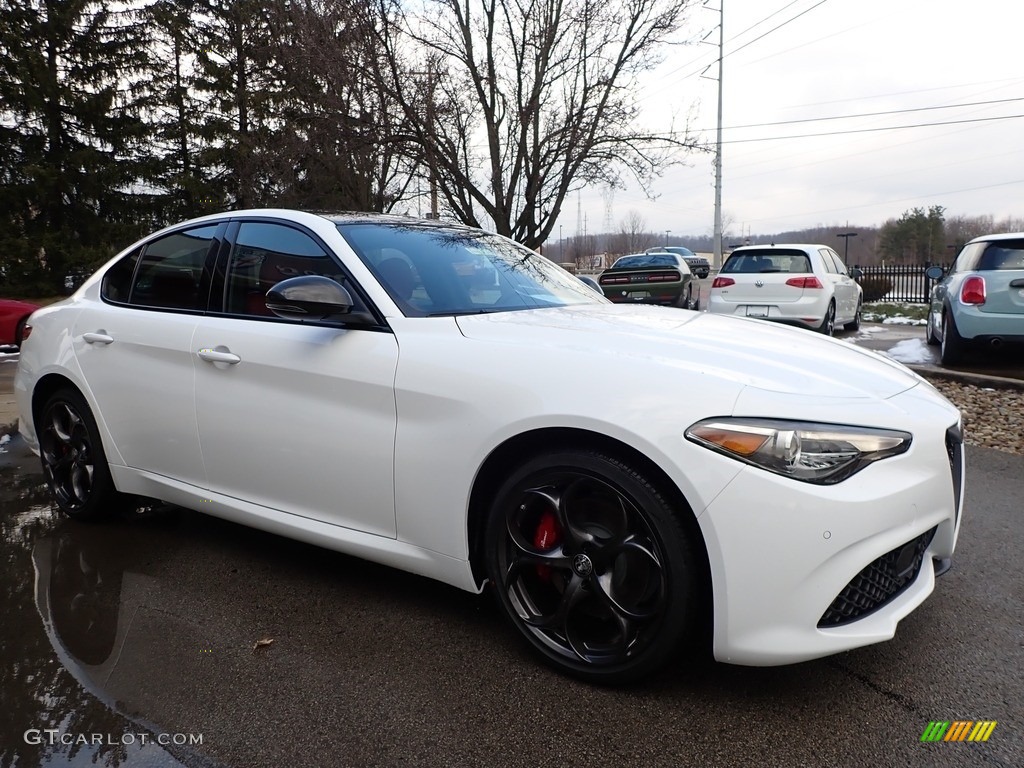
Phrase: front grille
x=954 y=449
x=877 y=584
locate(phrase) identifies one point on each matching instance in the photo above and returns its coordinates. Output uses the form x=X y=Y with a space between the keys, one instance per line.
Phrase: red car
x=13 y=314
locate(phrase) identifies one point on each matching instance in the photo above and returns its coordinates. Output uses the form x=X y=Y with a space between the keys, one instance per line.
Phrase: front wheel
x=854 y=325
x=74 y=464
x=591 y=565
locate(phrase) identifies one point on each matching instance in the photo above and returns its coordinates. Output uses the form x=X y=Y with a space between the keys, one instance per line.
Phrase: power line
x=773 y=29
x=873 y=130
x=866 y=114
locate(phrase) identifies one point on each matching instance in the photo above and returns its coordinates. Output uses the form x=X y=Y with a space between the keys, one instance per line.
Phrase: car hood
x=753 y=353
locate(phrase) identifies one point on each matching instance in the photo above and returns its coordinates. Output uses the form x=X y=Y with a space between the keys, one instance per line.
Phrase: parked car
x=448 y=402
x=699 y=266
x=591 y=283
x=980 y=302
x=649 y=278
x=13 y=316
x=802 y=285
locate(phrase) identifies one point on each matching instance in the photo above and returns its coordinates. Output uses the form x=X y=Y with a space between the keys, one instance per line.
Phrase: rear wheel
x=686 y=298
x=74 y=464
x=952 y=347
x=828 y=325
x=591 y=566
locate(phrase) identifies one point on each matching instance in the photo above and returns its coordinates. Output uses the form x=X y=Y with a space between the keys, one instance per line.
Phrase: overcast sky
x=839 y=58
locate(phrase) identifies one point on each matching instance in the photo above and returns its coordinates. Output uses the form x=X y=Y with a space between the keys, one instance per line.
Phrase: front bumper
x=804 y=572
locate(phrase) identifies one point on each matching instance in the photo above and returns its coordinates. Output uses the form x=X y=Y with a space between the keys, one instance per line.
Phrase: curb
x=964 y=377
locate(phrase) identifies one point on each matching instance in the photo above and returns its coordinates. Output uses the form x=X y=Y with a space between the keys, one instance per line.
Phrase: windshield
x=431 y=271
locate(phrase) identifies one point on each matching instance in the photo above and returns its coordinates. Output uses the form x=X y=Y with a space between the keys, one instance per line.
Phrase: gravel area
x=993 y=418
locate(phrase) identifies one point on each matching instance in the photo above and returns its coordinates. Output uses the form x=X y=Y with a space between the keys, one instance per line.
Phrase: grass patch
x=883 y=311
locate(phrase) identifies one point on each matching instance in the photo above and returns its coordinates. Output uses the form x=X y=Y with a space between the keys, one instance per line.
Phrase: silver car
x=980 y=302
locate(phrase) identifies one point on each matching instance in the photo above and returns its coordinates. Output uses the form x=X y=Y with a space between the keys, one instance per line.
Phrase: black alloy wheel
x=828 y=325
x=73 y=461
x=592 y=566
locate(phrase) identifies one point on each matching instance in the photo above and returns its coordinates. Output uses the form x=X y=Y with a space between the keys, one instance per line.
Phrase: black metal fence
x=907 y=282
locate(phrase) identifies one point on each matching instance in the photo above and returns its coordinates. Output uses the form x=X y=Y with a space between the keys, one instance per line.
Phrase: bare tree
x=514 y=104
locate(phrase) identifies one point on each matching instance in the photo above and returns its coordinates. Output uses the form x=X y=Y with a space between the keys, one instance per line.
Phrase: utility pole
x=846 y=250
x=718 y=142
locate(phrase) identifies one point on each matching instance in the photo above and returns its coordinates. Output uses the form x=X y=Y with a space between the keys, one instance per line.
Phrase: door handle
x=219 y=355
x=98 y=337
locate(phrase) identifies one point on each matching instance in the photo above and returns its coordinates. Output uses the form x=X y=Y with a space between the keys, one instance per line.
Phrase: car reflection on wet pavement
x=52 y=672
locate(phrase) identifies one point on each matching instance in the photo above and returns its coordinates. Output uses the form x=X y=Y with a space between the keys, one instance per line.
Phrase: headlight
x=813 y=453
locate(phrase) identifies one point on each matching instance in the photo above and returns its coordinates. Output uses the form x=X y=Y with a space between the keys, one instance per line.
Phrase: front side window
x=170 y=271
x=433 y=271
x=265 y=254
x=117 y=281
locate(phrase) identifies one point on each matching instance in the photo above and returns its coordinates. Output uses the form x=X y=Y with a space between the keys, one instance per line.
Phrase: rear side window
x=117 y=281
x=1005 y=254
x=170 y=271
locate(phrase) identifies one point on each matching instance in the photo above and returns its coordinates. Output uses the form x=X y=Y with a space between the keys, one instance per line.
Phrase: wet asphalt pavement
x=147 y=628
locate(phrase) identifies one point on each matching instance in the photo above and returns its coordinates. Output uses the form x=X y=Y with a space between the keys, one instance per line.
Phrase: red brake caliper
x=547 y=536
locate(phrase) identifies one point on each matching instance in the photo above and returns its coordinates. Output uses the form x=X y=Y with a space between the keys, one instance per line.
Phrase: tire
x=854 y=325
x=685 y=301
x=19 y=332
x=591 y=566
x=951 y=349
x=74 y=463
x=929 y=334
x=828 y=324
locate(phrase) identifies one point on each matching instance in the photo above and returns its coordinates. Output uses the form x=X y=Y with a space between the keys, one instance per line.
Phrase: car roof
x=780 y=246
x=1002 y=236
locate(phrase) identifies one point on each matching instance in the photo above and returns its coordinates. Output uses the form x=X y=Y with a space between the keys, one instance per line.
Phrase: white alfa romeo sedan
x=445 y=401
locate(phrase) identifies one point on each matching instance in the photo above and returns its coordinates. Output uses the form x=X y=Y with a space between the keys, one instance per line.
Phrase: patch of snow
x=3 y=442
x=901 y=320
x=911 y=351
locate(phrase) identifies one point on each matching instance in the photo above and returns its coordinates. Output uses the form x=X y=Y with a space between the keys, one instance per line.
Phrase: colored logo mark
x=958 y=730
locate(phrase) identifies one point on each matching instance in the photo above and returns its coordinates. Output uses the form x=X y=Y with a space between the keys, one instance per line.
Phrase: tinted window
x=171 y=270
x=1005 y=254
x=646 y=260
x=117 y=281
x=773 y=260
x=265 y=254
x=431 y=270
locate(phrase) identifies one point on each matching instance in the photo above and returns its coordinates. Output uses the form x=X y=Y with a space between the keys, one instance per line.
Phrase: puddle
x=62 y=596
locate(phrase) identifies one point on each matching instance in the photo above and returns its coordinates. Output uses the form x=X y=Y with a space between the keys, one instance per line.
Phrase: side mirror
x=312 y=297
x=856 y=273
x=934 y=273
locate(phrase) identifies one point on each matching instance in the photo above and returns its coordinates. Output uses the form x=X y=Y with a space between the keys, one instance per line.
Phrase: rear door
x=134 y=349
x=842 y=286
